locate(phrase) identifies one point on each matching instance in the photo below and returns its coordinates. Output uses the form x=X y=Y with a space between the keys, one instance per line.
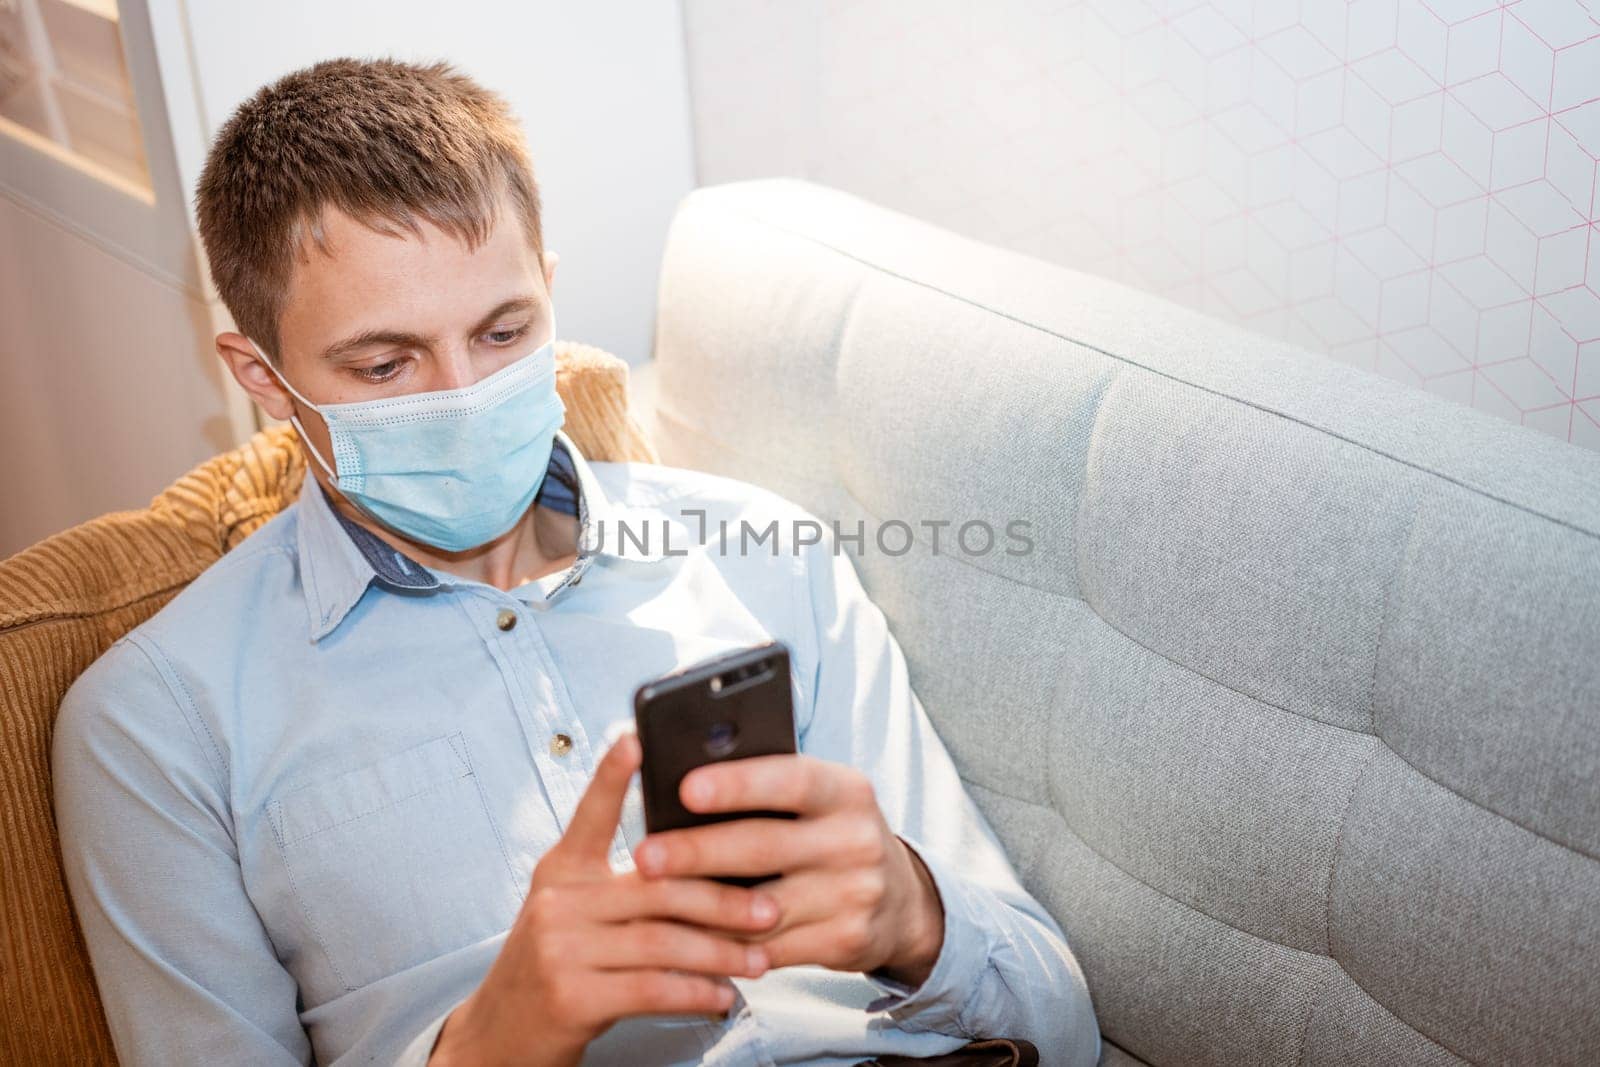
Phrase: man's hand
x=852 y=895
x=591 y=946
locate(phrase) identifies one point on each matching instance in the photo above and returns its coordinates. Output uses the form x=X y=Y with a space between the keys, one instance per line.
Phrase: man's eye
x=380 y=372
x=506 y=336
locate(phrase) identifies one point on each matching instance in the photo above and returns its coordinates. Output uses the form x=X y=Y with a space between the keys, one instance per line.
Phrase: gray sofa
x=1291 y=715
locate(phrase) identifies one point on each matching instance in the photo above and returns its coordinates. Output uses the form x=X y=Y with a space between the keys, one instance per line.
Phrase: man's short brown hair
x=387 y=143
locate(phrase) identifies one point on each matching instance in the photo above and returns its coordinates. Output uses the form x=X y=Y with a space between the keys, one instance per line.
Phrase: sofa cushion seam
x=47 y=617
x=1207 y=915
x=1452 y=479
x=1154 y=889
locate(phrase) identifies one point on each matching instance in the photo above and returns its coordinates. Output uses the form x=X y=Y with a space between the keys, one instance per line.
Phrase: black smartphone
x=729 y=707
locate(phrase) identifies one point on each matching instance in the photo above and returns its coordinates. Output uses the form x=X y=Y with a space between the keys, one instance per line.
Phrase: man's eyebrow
x=357 y=341
x=517 y=303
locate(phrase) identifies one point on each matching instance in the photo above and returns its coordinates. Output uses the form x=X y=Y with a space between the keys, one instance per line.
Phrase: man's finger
x=625 y=993
x=789 y=782
x=840 y=943
x=760 y=846
x=672 y=946
x=599 y=810
x=817 y=894
x=690 y=900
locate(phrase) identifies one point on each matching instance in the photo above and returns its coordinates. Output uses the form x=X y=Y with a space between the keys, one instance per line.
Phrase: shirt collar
x=340 y=559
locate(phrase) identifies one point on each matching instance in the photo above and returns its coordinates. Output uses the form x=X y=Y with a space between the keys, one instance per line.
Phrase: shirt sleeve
x=1004 y=968
x=185 y=969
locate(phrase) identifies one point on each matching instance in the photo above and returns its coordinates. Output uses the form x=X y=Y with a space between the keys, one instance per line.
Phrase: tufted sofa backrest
x=1289 y=706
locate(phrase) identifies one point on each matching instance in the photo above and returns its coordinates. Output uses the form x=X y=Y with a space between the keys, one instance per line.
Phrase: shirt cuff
x=939 y=1003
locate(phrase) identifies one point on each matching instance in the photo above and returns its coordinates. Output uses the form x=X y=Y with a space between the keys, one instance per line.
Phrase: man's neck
x=544 y=542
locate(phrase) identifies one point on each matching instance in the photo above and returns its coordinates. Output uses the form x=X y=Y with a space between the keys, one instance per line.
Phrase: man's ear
x=550 y=261
x=246 y=367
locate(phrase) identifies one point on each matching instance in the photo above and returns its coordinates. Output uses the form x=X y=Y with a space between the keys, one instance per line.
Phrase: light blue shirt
x=299 y=807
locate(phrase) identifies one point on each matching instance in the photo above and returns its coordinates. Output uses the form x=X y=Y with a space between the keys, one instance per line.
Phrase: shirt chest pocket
x=396 y=862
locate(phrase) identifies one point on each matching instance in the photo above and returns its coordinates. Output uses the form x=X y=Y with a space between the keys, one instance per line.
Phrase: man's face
x=378 y=316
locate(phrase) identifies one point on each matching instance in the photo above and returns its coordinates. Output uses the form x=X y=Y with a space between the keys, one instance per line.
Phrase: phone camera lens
x=722 y=738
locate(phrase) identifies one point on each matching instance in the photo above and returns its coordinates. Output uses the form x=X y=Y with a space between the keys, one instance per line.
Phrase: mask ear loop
x=294 y=420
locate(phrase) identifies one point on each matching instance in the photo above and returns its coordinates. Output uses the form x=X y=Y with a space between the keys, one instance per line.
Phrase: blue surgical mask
x=455 y=468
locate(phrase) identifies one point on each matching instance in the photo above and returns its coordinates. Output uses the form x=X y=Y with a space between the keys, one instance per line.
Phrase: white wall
x=1406 y=186
x=106 y=393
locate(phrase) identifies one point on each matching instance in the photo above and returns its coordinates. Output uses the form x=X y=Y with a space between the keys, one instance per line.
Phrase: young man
x=361 y=793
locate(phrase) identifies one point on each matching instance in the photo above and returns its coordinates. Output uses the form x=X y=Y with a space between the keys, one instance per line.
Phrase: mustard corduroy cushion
x=67 y=599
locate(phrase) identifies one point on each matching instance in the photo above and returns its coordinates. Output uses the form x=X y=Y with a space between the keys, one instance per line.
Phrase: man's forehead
x=358 y=277
x=335 y=238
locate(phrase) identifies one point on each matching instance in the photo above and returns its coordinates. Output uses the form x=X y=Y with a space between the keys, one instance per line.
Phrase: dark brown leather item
x=995 y=1052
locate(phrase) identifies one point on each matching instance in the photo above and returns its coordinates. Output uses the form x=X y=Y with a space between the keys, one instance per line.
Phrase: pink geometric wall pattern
x=1406 y=185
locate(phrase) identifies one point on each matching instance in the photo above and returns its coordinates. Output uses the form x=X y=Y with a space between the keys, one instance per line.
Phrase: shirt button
x=560 y=745
x=506 y=620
